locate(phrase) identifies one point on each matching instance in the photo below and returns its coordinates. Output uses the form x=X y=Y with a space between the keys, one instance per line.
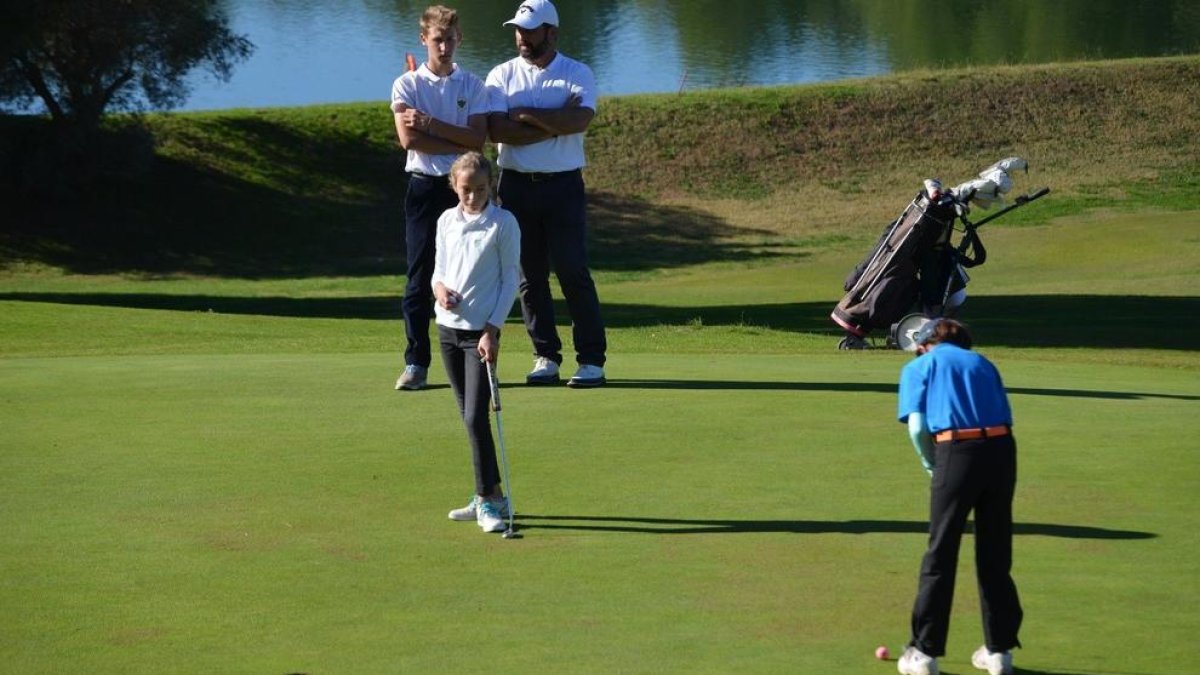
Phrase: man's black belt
x=428 y=176
x=540 y=176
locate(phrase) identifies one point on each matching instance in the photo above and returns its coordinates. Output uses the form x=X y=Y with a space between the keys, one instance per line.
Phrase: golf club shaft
x=494 y=384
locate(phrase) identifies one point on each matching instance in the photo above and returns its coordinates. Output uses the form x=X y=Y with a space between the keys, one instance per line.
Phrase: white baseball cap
x=533 y=13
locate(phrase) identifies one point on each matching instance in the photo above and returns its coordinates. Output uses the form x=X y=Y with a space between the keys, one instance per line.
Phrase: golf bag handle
x=1019 y=201
x=494 y=385
x=970 y=242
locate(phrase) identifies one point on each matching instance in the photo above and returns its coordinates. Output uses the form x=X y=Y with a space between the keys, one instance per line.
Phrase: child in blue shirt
x=961 y=424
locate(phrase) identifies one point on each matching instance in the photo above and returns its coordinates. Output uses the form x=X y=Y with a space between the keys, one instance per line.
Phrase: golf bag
x=916 y=264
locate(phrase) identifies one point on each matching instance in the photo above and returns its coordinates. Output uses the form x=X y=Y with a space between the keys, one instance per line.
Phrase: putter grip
x=494 y=384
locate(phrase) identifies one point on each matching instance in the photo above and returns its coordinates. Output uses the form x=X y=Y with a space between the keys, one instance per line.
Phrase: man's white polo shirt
x=451 y=99
x=520 y=84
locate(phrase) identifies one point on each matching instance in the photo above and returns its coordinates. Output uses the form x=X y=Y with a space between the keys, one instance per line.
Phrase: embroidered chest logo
x=462 y=103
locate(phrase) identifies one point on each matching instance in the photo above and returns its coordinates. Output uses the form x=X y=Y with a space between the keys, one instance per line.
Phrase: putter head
x=511 y=534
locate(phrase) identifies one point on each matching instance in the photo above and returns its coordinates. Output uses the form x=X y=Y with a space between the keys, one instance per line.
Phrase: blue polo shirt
x=954 y=388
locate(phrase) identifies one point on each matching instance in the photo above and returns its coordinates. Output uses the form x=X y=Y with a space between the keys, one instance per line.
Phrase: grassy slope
x=731 y=175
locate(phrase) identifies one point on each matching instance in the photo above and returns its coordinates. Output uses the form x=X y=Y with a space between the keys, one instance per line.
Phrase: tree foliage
x=82 y=58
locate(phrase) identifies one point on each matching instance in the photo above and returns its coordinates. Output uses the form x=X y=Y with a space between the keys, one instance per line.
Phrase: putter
x=494 y=384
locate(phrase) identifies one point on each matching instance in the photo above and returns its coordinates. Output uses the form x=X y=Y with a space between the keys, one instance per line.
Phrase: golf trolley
x=917 y=270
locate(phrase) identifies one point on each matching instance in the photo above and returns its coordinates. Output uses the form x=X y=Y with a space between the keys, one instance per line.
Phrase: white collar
x=424 y=71
x=465 y=219
x=527 y=65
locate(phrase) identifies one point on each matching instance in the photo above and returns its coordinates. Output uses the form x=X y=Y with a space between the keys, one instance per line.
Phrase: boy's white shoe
x=588 y=375
x=468 y=512
x=414 y=378
x=487 y=514
x=545 y=371
x=916 y=662
x=995 y=663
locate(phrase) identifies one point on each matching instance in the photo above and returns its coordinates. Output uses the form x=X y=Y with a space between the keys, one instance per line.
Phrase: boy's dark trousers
x=971 y=475
x=427 y=198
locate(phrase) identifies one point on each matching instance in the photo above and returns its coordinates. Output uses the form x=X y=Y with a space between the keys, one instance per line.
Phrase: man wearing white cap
x=540 y=105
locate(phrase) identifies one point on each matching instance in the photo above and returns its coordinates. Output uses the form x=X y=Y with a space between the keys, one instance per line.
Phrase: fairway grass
x=286 y=513
x=215 y=475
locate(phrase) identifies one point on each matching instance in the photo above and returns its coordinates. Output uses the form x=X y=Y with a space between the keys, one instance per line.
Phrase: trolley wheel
x=904 y=330
x=852 y=342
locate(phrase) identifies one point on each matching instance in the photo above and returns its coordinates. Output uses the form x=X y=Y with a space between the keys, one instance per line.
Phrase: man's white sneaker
x=995 y=663
x=587 y=376
x=916 y=662
x=413 y=378
x=545 y=371
x=468 y=512
x=487 y=514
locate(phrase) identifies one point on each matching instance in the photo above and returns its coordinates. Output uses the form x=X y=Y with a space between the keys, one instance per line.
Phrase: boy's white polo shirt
x=520 y=84
x=451 y=99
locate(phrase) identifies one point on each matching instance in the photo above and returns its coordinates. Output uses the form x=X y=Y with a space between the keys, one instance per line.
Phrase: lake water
x=350 y=50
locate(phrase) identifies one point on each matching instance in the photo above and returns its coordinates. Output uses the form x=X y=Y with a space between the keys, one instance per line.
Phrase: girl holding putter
x=475 y=276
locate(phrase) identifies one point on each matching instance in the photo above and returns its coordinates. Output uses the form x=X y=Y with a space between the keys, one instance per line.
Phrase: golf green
x=727 y=513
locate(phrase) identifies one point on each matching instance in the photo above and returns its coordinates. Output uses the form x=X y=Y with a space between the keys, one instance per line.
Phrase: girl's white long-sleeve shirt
x=478 y=256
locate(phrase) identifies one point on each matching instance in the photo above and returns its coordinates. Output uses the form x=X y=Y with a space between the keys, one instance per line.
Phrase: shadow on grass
x=301 y=202
x=690 y=526
x=1096 y=321
x=876 y=387
x=1018 y=670
x=627 y=234
x=1083 y=321
x=299 y=215
x=363 y=307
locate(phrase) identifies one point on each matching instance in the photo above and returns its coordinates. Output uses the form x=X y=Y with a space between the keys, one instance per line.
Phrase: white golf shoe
x=487 y=514
x=995 y=663
x=414 y=378
x=545 y=371
x=916 y=662
x=587 y=376
x=469 y=512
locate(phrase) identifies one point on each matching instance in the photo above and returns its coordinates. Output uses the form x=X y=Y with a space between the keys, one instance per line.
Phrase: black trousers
x=551 y=211
x=427 y=198
x=977 y=475
x=469 y=380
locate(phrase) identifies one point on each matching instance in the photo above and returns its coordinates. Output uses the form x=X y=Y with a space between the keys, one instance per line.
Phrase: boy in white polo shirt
x=540 y=106
x=475 y=277
x=440 y=113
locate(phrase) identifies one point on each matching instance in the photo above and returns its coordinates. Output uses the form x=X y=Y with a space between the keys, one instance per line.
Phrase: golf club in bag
x=494 y=384
x=917 y=265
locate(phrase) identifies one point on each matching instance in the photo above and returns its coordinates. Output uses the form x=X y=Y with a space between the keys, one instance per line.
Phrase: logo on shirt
x=462 y=103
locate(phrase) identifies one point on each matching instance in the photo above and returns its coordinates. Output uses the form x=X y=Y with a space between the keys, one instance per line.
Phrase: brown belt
x=971 y=434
